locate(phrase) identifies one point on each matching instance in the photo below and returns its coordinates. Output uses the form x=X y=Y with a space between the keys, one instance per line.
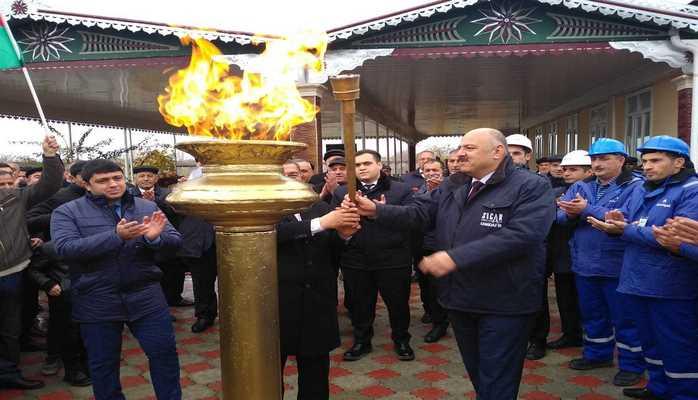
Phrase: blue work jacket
x=112 y=279
x=649 y=269
x=497 y=239
x=594 y=253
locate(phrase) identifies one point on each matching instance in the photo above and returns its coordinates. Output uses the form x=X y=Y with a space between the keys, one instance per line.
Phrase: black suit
x=172 y=281
x=308 y=299
x=378 y=258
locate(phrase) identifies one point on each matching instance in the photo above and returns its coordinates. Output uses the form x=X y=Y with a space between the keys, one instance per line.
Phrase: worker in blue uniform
x=660 y=281
x=596 y=262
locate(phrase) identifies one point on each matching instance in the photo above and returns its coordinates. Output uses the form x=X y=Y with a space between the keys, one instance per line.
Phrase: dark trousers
x=429 y=295
x=313 y=376
x=172 y=281
x=10 y=325
x=64 y=334
x=568 y=304
x=493 y=348
x=541 y=324
x=203 y=276
x=30 y=306
x=156 y=336
x=394 y=287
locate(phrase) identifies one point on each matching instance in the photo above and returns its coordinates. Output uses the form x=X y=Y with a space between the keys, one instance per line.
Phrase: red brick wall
x=311 y=134
x=684 y=120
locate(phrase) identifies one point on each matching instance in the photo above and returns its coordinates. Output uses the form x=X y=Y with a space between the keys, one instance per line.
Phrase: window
x=598 y=122
x=638 y=114
x=572 y=133
x=538 y=142
x=552 y=139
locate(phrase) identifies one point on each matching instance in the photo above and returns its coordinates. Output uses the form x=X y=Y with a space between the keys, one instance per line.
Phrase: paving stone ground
x=437 y=373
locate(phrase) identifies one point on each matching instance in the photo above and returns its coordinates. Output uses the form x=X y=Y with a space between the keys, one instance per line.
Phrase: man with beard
x=520 y=149
x=659 y=278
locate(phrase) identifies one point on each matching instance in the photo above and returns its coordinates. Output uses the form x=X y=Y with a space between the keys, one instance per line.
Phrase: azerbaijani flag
x=8 y=53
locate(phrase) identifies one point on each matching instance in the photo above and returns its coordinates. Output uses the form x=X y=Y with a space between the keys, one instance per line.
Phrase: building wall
x=664 y=118
x=665 y=109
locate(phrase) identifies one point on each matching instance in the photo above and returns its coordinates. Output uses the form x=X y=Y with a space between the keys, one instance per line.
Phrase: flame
x=262 y=104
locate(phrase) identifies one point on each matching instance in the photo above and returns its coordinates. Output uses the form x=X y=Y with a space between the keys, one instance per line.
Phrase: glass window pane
x=645 y=100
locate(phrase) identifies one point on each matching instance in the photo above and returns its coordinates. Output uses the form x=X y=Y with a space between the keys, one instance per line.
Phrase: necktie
x=475 y=187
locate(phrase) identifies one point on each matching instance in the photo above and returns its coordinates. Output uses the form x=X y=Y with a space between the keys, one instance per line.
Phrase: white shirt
x=315 y=226
x=484 y=180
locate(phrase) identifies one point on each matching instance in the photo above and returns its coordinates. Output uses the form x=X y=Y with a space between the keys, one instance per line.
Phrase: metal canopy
x=439 y=83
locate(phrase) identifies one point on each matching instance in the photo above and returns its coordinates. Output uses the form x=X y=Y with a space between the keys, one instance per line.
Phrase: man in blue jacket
x=596 y=263
x=490 y=234
x=661 y=283
x=110 y=238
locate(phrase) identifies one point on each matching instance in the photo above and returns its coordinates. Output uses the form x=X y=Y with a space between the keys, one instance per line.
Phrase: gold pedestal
x=243 y=194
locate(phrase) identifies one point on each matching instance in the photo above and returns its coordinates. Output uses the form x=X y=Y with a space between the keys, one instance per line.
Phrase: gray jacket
x=15 y=248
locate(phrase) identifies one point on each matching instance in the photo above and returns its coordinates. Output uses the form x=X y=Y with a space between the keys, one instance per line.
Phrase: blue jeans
x=10 y=325
x=156 y=336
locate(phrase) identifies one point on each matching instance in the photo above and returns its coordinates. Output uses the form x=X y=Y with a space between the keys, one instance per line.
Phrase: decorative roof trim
x=135 y=26
x=680 y=16
x=503 y=50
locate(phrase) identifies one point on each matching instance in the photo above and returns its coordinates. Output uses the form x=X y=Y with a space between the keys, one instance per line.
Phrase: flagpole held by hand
x=25 y=71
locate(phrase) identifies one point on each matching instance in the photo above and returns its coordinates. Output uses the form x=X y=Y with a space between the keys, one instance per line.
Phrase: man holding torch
x=490 y=234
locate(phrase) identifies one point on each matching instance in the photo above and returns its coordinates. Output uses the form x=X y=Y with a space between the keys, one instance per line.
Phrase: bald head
x=481 y=151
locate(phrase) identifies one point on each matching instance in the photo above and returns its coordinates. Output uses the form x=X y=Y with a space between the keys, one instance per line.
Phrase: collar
x=484 y=179
x=374 y=183
x=611 y=182
x=126 y=200
x=152 y=190
x=679 y=177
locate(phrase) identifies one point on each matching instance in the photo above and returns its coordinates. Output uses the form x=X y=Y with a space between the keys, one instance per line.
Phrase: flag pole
x=25 y=71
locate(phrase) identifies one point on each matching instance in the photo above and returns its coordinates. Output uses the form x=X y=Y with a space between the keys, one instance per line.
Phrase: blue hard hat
x=607 y=146
x=665 y=143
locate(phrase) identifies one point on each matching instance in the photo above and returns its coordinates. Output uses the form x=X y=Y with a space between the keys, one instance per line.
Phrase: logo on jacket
x=664 y=203
x=491 y=219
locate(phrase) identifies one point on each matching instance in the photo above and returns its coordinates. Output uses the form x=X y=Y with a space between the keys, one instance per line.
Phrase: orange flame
x=262 y=104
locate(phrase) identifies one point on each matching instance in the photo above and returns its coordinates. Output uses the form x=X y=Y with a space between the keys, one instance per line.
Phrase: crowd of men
x=480 y=232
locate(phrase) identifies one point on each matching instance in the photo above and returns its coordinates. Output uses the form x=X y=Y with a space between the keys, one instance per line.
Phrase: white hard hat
x=576 y=157
x=520 y=140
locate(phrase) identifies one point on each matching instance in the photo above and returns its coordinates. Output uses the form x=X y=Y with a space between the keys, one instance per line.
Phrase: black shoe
x=582 y=364
x=183 y=302
x=564 y=342
x=77 y=378
x=357 y=351
x=404 y=351
x=436 y=333
x=201 y=325
x=640 y=393
x=51 y=366
x=426 y=318
x=626 y=378
x=535 y=351
x=21 y=383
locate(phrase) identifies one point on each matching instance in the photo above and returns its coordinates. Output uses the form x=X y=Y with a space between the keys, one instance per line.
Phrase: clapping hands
x=151 y=227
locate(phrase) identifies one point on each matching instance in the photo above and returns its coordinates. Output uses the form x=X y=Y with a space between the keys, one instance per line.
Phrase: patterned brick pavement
x=437 y=373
